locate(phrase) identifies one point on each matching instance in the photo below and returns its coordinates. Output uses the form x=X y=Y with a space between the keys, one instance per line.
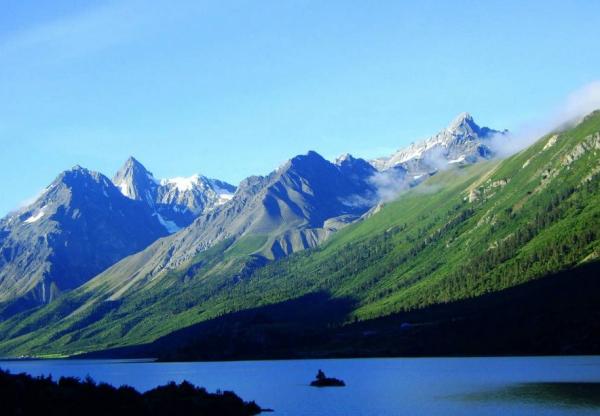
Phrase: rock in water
x=322 y=380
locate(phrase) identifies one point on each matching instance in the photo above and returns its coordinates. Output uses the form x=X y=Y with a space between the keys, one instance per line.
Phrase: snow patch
x=342 y=158
x=460 y=159
x=124 y=189
x=220 y=191
x=170 y=226
x=223 y=198
x=223 y=195
x=36 y=217
x=182 y=184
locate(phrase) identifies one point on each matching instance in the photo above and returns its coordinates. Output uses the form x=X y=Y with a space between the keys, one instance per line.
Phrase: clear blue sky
x=233 y=88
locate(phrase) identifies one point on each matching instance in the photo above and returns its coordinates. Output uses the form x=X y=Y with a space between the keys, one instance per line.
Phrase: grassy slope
x=431 y=248
x=534 y=213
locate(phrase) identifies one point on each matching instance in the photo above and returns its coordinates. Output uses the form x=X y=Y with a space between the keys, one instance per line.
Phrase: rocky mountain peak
x=465 y=126
x=308 y=164
x=135 y=181
x=176 y=201
x=463 y=141
x=133 y=164
x=344 y=158
x=351 y=165
x=79 y=177
x=462 y=120
x=310 y=157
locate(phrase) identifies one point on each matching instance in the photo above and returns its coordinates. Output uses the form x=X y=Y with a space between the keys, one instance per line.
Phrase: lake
x=383 y=386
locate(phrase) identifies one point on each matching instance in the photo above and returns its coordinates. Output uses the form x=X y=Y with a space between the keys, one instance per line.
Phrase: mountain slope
x=482 y=228
x=176 y=201
x=79 y=226
x=294 y=208
x=461 y=234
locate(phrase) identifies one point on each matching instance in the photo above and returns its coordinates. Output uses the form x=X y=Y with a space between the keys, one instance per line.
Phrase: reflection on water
x=578 y=394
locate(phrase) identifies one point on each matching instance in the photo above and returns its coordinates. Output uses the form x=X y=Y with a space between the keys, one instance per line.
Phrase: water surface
x=397 y=386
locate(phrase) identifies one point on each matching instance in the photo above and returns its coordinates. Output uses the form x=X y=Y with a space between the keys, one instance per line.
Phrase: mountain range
x=295 y=207
x=176 y=201
x=83 y=222
x=435 y=223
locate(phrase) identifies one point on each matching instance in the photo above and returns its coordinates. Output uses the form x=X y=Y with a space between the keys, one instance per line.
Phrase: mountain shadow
x=557 y=314
x=286 y=329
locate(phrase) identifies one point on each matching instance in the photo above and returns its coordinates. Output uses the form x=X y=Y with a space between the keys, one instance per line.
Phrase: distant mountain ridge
x=83 y=223
x=484 y=228
x=297 y=206
x=176 y=201
x=294 y=208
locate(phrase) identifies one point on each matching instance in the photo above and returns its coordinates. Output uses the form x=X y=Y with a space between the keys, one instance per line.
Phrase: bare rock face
x=295 y=207
x=292 y=205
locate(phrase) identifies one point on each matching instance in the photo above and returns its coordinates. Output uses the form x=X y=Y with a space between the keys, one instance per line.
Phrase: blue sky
x=234 y=88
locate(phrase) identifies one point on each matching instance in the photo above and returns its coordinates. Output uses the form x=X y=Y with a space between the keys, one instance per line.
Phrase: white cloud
x=580 y=103
x=389 y=184
x=575 y=106
x=28 y=201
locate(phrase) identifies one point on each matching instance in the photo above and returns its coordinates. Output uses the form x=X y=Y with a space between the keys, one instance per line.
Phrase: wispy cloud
x=30 y=200
x=575 y=106
x=91 y=30
x=580 y=103
x=389 y=184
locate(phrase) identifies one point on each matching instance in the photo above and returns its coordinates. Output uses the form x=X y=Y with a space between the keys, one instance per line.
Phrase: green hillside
x=461 y=234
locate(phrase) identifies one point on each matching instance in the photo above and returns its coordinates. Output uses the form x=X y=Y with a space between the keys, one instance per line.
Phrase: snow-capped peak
x=176 y=201
x=182 y=184
x=462 y=140
x=461 y=120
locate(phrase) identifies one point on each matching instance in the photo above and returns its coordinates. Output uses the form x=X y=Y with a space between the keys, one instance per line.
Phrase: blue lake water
x=396 y=386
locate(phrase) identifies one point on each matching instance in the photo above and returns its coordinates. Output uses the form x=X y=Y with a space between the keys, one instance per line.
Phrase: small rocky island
x=323 y=381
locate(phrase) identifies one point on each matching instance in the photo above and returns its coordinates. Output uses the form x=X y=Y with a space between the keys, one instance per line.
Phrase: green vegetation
x=461 y=234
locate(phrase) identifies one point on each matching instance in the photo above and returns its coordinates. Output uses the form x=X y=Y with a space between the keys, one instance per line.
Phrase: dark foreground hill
x=24 y=395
